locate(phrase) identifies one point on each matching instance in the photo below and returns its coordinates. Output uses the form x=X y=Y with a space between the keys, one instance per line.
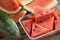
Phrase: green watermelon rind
x=6 y=34
x=9 y=26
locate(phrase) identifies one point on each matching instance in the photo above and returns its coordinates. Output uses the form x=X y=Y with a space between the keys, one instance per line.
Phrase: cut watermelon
x=46 y=4
x=16 y=17
x=48 y=23
x=38 y=13
x=9 y=6
x=24 y=2
x=27 y=25
x=38 y=30
x=42 y=14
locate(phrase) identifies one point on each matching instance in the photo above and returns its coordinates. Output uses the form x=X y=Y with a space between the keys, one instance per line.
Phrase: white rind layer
x=51 y=5
x=10 y=12
x=25 y=2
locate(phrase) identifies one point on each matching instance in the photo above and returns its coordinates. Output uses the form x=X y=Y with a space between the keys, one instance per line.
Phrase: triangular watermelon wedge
x=38 y=30
x=42 y=14
x=49 y=23
x=27 y=25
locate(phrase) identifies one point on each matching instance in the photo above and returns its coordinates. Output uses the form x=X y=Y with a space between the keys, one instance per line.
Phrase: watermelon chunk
x=27 y=25
x=48 y=23
x=38 y=30
x=42 y=14
x=16 y=17
x=24 y=2
x=46 y=4
x=58 y=12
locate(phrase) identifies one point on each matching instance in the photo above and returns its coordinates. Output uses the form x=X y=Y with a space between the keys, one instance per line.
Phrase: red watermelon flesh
x=16 y=16
x=38 y=30
x=39 y=3
x=45 y=2
x=58 y=12
x=42 y=14
x=9 y=4
x=38 y=13
x=48 y=23
x=27 y=25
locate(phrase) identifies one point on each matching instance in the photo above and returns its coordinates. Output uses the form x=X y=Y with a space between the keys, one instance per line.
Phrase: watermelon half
x=9 y=6
x=46 y=4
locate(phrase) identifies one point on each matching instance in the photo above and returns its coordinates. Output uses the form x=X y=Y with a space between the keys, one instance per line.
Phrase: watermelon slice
x=16 y=17
x=27 y=25
x=46 y=4
x=24 y=2
x=42 y=14
x=38 y=13
x=38 y=30
x=48 y=23
x=9 y=6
